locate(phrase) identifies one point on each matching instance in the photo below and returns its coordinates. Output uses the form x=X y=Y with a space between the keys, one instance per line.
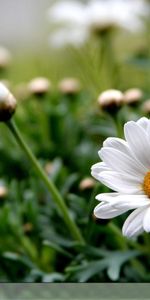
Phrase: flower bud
x=146 y=107
x=87 y=183
x=69 y=86
x=111 y=100
x=3 y=191
x=7 y=104
x=49 y=168
x=5 y=58
x=133 y=96
x=39 y=86
x=27 y=227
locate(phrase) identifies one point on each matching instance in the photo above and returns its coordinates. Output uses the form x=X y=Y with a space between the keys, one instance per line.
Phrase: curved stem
x=50 y=185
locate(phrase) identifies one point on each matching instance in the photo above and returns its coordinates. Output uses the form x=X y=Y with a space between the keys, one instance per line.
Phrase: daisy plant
x=125 y=168
x=7 y=109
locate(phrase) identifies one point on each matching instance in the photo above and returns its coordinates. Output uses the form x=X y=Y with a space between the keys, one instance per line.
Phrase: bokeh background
x=79 y=52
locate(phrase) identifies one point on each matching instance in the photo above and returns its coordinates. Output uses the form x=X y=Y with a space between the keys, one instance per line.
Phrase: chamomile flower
x=125 y=168
x=73 y=21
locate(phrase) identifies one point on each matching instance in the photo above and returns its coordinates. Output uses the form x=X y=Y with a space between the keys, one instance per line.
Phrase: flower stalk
x=50 y=185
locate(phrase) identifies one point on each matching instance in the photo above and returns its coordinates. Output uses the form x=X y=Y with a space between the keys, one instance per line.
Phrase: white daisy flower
x=67 y=12
x=79 y=19
x=125 y=168
x=118 y=13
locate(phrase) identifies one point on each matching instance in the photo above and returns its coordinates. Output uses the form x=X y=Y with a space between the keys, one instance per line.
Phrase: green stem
x=50 y=185
x=118 y=125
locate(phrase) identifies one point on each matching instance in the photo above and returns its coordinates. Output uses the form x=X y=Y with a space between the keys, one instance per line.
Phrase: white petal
x=107 y=211
x=133 y=225
x=120 y=182
x=121 y=162
x=143 y=122
x=148 y=131
x=146 y=222
x=70 y=12
x=118 y=144
x=124 y=201
x=106 y=197
x=138 y=142
x=98 y=168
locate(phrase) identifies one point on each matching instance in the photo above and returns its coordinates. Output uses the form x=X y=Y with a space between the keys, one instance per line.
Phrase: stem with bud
x=50 y=185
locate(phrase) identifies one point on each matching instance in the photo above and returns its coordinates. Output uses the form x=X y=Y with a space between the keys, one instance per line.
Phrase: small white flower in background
x=125 y=168
x=70 y=19
x=74 y=16
x=68 y=12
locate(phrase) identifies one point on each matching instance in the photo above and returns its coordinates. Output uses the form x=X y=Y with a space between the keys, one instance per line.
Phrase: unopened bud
x=39 y=86
x=27 y=227
x=133 y=96
x=111 y=100
x=49 y=168
x=3 y=191
x=146 y=106
x=5 y=58
x=87 y=183
x=7 y=104
x=69 y=86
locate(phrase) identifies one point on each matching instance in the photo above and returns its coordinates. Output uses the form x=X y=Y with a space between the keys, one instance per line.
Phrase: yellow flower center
x=146 y=184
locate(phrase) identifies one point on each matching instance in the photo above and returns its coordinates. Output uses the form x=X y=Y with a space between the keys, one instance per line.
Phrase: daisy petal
x=133 y=225
x=124 y=201
x=106 y=211
x=121 y=162
x=138 y=141
x=98 y=168
x=146 y=222
x=106 y=197
x=143 y=122
x=121 y=183
x=118 y=144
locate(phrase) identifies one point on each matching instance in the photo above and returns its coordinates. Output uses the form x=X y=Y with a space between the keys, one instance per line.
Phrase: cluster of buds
x=112 y=100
